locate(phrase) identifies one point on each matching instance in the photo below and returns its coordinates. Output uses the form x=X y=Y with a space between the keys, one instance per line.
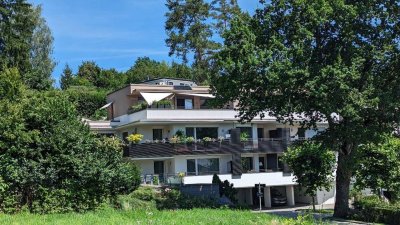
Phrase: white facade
x=259 y=158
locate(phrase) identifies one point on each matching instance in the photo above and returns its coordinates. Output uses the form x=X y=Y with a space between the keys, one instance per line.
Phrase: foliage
x=135 y=138
x=206 y=139
x=66 y=78
x=373 y=209
x=11 y=87
x=190 y=140
x=225 y=188
x=39 y=77
x=179 y=133
x=87 y=100
x=49 y=160
x=312 y=165
x=244 y=136
x=174 y=199
x=175 y=140
x=379 y=167
x=138 y=107
x=17 y=26
x=145 y=68
x=166 y=103
x=192 y=26
x=315 y=61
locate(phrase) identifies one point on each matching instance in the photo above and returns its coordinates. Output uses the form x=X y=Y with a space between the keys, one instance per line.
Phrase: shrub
x=144 y=193
x=137 y=108
x=373 y=209
x=174 y=199
x=129 y=202
x=51 y=162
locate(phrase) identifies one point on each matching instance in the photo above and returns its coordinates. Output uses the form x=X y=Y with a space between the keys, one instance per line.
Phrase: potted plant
x=174 y=140
x=206 y=141
x=135 y=138
x=190 y=140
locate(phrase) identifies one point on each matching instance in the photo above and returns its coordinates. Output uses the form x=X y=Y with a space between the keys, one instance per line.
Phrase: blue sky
x=111 y=33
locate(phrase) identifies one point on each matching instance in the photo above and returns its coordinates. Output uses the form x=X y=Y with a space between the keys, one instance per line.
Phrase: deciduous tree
x=312 y=165
x=318 y=61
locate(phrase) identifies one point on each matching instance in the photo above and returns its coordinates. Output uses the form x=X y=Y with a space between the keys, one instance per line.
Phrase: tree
x=49 y=160
x=223 y=12
x=67 y=78
x=89 y=71
x=312 y=165
x=41 y=49
x=379 y=167
x=17 y=24
x=189 y=32
x=145 y=68
x=317 y=61
x=87 y=100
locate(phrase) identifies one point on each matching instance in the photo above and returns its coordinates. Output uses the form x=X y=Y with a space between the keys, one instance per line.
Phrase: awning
x=106 y=105
x=199 y=95
x=154 y=97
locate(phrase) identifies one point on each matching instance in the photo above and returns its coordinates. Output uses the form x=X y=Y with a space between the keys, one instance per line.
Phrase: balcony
x=156 y=149
x=246 y=179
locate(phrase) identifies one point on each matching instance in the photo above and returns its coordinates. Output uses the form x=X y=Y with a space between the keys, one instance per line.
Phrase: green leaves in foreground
x=49 y=160
x=312 y=165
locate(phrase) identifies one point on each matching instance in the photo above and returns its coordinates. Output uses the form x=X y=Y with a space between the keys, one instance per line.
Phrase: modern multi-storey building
x=216 y=143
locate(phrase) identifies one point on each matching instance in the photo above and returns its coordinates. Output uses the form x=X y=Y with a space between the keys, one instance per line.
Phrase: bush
x=373 y=209
x=50 y=162
x=145 y=194
x=174 y=199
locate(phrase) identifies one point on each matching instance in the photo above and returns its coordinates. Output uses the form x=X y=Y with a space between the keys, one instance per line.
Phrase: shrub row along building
x=187 y=141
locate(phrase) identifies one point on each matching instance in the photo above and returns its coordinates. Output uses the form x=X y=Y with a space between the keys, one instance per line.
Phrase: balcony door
x=157 y=134
x=159 y=169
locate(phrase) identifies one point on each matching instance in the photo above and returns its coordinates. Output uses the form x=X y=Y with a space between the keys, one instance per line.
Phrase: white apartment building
x=161 y=109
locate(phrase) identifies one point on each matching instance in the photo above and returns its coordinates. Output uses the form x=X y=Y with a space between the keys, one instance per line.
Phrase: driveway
x=293 y=212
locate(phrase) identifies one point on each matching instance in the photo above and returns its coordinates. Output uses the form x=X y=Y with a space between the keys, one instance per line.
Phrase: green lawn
x=110 y=216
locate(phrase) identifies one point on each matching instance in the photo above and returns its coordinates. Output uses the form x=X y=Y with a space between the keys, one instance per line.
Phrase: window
x=204 y=166
x=170 y=83
x=189 y=132
x=186 y=103
x=157 y=134
x=191 y=166
x=182 y=84
x=207 y=166
x=247 y=164
x=202 y=132
x=272 y=162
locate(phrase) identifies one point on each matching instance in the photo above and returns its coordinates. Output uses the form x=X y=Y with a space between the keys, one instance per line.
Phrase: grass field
x=111 y=216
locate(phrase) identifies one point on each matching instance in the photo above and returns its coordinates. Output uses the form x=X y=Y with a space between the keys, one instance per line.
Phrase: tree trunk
x=343 y=177
x=313 y=203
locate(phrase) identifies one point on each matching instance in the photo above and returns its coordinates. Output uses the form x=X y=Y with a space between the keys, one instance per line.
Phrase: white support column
x=267 y=197
x=256 y=163
x=255 y=135
x=290 y=195
x=250 y=196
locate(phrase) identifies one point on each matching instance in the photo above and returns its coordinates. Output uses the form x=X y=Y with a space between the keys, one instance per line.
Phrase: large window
x=202 y=132
x=207 y=166
x=202 y=166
